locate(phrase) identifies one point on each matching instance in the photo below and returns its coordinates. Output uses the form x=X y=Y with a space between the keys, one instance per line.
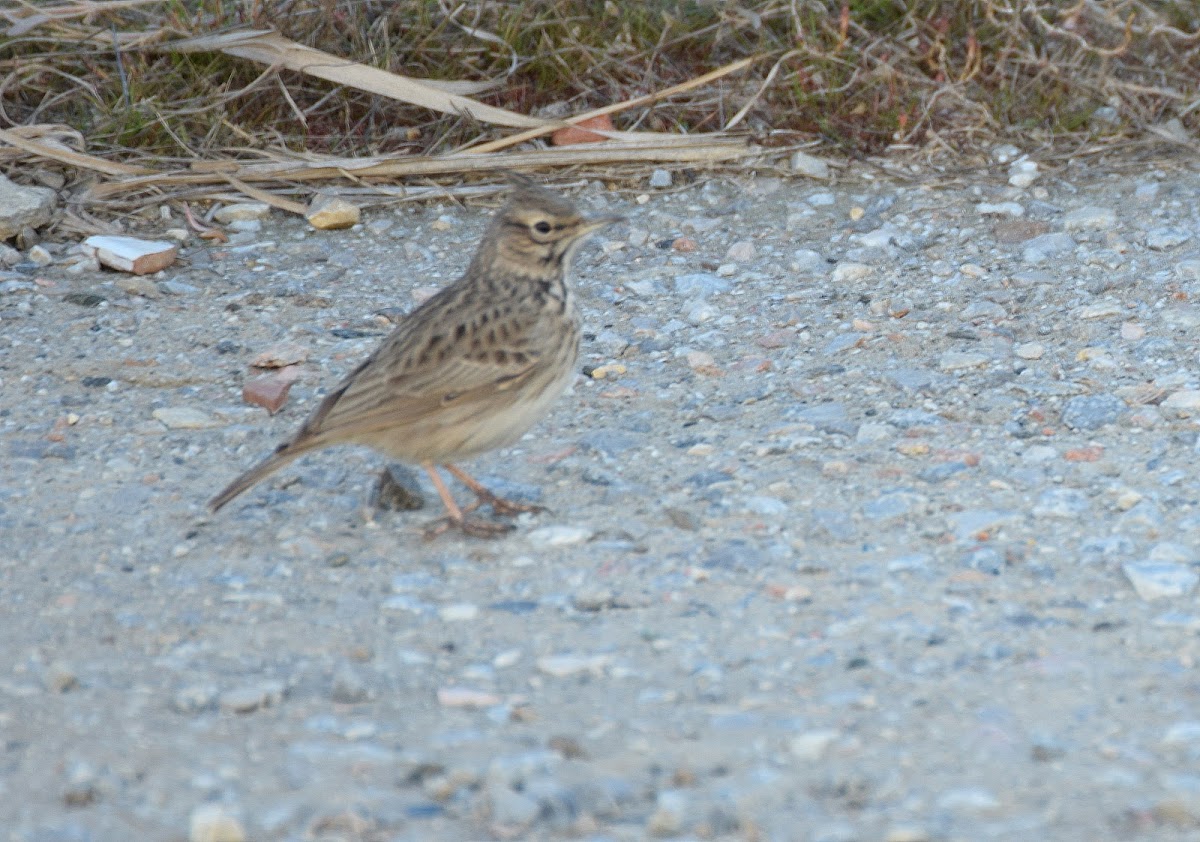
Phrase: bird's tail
x=282 y=456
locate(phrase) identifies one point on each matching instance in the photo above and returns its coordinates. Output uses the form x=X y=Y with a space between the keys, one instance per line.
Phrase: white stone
x=1103 y=310
x=1090 y=217
x=186 y=418
x=130 y=254
x=660 y=178
x=811 y=746
x=959 y=360
x=559 y=536
x=1000 y=209
x=562 y=666
x=1030 y=350
x=1182 y=734
x=458 y=612
x=1184 y=399
x=804 y=164
x=1022 y=173
x=241 y=211
x=22 y=206
x=1158 y=580
x=212 y=823
x=848 y=271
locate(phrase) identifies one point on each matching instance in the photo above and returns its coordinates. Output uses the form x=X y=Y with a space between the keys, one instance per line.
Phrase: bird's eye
x=542 y=227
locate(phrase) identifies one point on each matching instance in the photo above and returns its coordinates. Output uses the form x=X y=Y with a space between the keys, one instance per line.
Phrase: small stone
x=660 y=178
x=699 y=284
x=270 y=391
x=960 y=360
x=670 y=812
x=822 y=200
x=280 y=356
x=809 y=165
x=39 y=256
x=512 y=813
x=1022 y=172
x=1002 y=153
x=398 y=490
x=1132 y=331
x=1182 y=734
x=1030 y=350
x=1091 y=412
x=1011 y=209
x=1067 y=503
x=592 y=600
x=1166 y=237
x=1188 y=269
x=140 y=286
x=242 y=211
x=1090 y=218
x=213 y=823
x=1103 y=310
x=1042 y=248
x=130 y=254
x=811 y=746
x=848 y=272
x=563 y=666
x=251 y=697
x=60 y=677
x=683 y=245
x=195 y=698
x=457 y=612
x=741 y=251
x=1158 y=580
x=348 y=687
x=968 y=799
x=559 y=536
x=332 y=213
x=1185 y=399
x=23 y=207
x=186 y=418
x=467 y=697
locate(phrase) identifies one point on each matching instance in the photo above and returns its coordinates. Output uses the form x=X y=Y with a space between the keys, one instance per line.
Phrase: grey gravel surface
x=875 y=517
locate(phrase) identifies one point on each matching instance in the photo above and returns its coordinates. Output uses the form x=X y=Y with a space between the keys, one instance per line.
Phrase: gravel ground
x=876 y=519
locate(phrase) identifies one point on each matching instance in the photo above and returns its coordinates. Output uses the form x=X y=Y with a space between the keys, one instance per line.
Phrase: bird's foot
x=504 y=507
x=476 y=527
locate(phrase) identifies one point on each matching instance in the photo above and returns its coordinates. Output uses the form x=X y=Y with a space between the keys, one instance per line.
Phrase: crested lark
x=469 y=370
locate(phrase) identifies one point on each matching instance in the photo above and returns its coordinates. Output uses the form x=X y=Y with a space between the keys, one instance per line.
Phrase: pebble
x=458 y=612
x=741 y=251
x=38 y=256
x=214 y=823
x=467 y=697
x=348 y=687
x=1159 y=580
x=280 y=356
x=1090 y=218
x=1185 y=399
x=700 y=284
x=811 y=746
x=1030 y=350
x=195 y=698
x=563 y=666
x=1066 y=503
x=559 y=536
x=1132 y=331
x=1091 y=412
x=671 y=808
x=848 y=272
x=1103 y=310
x=23 y=207
x=660 y=178
x=968 y=799
x=270 y=391
x=251 y=697
x=1166 y=237
x=1182 y=734
x=1022 y=172
x=1042 y=248
x=331 y=213
x=186 y=418
x=809 y=165
x=60 y=677
x=1012 y=209
x=959 y=360
x=242 y=211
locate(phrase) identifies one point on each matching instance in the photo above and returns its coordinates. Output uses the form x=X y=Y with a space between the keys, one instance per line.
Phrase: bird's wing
x=395 y=387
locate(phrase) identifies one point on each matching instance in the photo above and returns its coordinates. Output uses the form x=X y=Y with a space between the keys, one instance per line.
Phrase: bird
x=470 y=369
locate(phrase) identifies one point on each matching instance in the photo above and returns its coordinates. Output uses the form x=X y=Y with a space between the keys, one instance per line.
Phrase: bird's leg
x=477 y=527
x=500 y=505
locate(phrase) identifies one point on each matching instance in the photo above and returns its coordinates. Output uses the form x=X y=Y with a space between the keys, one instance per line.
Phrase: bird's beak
x=590 y=225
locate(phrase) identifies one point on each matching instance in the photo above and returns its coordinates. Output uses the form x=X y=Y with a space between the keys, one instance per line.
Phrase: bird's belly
x=473 y=430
